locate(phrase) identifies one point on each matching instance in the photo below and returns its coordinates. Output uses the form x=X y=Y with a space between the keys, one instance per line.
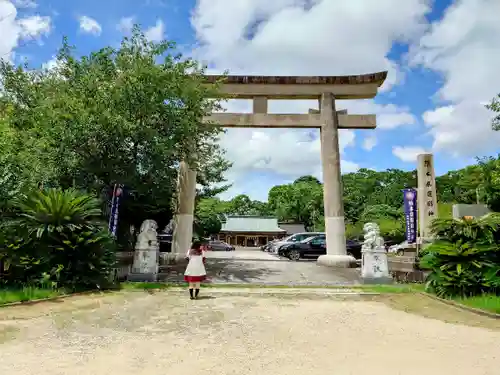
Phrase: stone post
x=426 y=196
x=336 y=255
x=186 y=193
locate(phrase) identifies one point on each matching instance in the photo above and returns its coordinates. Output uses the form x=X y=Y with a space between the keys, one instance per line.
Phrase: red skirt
x=194 y=279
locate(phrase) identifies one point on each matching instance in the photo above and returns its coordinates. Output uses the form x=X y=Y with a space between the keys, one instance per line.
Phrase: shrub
x=485 y=229
x=58 y=237
x=465 y=260
x=459 y=269
x=393 y=230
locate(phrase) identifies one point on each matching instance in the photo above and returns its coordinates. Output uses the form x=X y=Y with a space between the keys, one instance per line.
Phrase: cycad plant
x=457 y=268
x=60 y=238
x=52 y=211
x=485 y=229
x=465 y=260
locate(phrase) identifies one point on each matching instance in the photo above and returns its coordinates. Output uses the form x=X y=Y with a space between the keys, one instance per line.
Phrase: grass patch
x=486 y=302
x=27 y=294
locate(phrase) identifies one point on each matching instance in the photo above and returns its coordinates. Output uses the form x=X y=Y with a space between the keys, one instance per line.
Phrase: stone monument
x=374 y=265
x=147 y=250
x=426 y=196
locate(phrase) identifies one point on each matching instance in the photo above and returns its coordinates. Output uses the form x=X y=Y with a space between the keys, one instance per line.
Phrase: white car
x=399 y=248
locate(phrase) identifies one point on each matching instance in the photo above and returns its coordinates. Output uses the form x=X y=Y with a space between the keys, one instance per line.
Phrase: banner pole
x=111 y=209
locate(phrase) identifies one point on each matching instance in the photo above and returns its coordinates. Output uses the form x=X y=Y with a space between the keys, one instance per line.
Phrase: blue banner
x=410 y=204
x=115 y=203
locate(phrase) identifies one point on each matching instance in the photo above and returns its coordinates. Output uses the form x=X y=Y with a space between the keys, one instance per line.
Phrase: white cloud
x=25 y=3
x=89 y=25
x=464 y=47
x=408 y=154
x=51 y=64
x=308 y=37
x=369 y=143
x=156 y=33
x=14 y=29
x=126 y=24
x=34 y=26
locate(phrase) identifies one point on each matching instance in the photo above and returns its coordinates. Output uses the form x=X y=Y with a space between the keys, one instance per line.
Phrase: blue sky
x=439 y=55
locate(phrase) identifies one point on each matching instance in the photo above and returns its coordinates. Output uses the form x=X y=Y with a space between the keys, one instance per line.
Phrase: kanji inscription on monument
x=426 y=198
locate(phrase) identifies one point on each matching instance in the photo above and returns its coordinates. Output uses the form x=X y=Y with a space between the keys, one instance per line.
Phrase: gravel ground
x=166 y=333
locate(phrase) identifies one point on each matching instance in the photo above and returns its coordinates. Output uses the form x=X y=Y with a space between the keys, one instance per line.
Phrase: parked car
x=165 y=242
x=268 y=245
x=399 y=249
x=315 y=246
x=216 y=245
x=354 y=248
x=297 y=237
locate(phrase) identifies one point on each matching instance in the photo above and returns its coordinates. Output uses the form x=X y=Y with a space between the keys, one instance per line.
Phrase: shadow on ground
x=225 y=271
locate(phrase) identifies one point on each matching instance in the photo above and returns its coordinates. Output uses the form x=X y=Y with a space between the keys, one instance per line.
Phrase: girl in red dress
x=195 y=271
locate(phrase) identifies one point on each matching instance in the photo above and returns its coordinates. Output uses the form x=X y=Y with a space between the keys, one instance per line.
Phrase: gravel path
x=166 y=333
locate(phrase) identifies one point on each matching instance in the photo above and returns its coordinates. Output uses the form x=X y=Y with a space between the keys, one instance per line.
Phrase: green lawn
x=487 y=302
x=26 y=294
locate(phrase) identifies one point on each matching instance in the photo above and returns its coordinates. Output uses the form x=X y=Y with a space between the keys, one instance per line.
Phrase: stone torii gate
x=325 y=89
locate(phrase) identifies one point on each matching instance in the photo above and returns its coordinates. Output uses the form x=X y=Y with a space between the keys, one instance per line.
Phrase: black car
x=165 y=242
x=354 y=248
x=313 y=247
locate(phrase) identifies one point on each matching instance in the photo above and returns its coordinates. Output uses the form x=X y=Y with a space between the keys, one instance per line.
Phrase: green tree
x=495 y=107
x=241 y=205
x=123 y=115
x=301 y=201
x=209 y=214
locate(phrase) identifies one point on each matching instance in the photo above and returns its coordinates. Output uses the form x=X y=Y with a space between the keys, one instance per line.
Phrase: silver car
x=216 y=245
x=297 y=237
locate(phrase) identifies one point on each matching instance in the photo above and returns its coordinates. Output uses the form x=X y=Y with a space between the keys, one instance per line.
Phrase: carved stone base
x=336 y=261
x=142 y=277
x=377 y=280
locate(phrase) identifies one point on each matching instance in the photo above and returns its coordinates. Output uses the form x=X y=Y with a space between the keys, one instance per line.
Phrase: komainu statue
x=147 y=249
x=374 y=266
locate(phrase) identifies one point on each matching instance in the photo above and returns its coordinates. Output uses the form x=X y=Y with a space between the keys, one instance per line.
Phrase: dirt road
x=166 y=333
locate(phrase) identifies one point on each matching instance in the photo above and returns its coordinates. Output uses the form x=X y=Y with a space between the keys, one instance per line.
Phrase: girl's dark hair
x=198 y=244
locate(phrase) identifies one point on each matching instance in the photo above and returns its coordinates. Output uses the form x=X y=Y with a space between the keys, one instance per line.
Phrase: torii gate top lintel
x=363 y=86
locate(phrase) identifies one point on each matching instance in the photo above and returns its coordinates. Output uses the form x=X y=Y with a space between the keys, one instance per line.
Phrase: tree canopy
x=123 y=115
x=368 y=196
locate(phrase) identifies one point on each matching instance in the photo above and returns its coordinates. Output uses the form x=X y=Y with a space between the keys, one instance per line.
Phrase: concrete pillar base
x=336 y=261
x=377 y=280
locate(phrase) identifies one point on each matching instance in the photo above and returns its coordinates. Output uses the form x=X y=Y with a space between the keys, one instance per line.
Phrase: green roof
x=257 y=224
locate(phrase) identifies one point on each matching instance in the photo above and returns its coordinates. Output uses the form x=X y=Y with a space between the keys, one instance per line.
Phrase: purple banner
x=115 y=203
x=410 y=205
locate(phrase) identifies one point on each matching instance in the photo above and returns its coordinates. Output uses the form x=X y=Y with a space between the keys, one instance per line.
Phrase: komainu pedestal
x=374 y=266
x=146 y=254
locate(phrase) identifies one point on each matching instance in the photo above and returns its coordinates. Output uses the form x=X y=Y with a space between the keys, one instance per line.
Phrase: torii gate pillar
x=332 y=187
x=326 y=89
